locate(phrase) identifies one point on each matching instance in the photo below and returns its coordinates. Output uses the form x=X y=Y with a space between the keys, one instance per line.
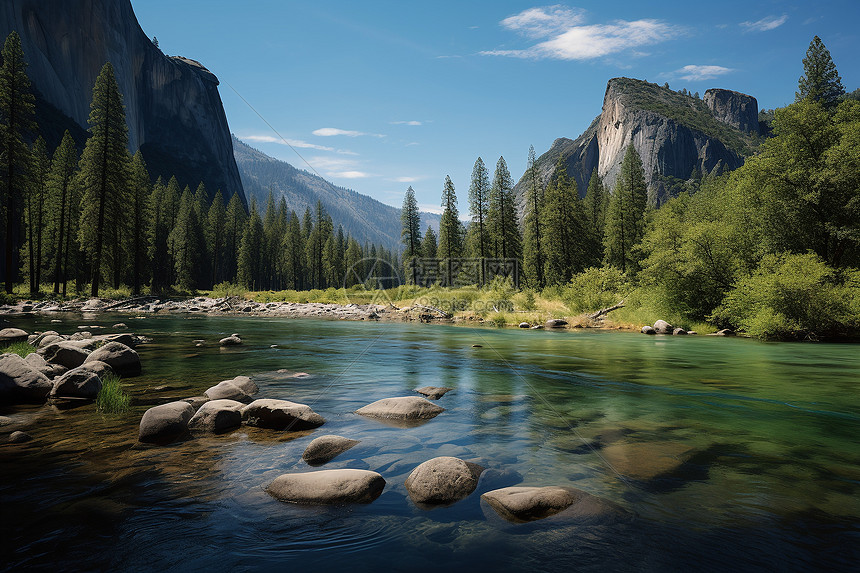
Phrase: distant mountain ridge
x=363 y=217
x=674 y=133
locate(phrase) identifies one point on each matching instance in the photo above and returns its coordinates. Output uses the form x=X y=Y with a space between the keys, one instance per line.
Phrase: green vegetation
x=111 y=398
x=22 y=349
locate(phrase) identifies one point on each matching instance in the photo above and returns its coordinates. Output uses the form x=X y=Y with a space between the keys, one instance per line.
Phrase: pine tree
x=63 y=167
x=430 y=245
x=294 y=252
x=564 y=228
x=35 y=203
x=271 y=238
x=248 y=268
x=234 y=228
x=352 y=259
x=315 y=245
x=504 y=231
x=17 y=105
x=410 y=234
x=479 y=200
x=216 y=219
x=139 y=217
x=157 y=232
x=186 y=243
x=595 y=205
x=533 y=221
x=820 y=80
x=104 y=172
x=625 y=223
x=450 y=229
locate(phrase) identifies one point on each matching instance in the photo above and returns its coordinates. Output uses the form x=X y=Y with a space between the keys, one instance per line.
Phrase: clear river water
x=729 y=453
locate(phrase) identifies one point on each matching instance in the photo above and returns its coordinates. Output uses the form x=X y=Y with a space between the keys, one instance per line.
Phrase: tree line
x=96 y=217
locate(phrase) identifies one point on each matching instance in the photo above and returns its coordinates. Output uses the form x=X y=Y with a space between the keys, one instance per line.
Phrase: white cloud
x=694 y=73
x=411 y=143
x=349 y=174
x=765 y=24
x=413 y=122
x=333 y=131
x=406 y=179
x=292 y=142
x=567 y=39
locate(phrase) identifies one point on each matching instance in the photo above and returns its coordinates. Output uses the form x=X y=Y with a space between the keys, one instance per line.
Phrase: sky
x=379 y=96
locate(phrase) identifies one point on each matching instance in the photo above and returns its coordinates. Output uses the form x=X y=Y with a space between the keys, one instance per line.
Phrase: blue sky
x=377 y=96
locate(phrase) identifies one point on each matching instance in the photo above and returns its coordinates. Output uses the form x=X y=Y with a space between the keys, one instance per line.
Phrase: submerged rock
x=80 y=382
x=327 y=487
x=402 y=408
x=281 y=415
x=646 y=461
x=433 y=392
x=325 y=448
x=122 y=359
x=20 y=382
x=442 y=480
x=166 y=423
x=217 y=416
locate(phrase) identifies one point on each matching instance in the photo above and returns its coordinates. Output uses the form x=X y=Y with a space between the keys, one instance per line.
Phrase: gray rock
x=433 y=392
x=6 y=421
x=325 y=448
x=19 y=437
x=65 y=353
x=524 y=504
x=123 y=360
x=79 y=382
x=556 y=323
x=525 y=325
x=648 y=330
x=38 y=340
x=101 y=368
x=679 y=332
x=663 y=327
x=244 y=384
x=217 y=416
x=13 y=335
x=402 y=408
x=281 y=415
x=165 y=423
x=230 y=341
x=328 y=487
x=725 y=332
x=125 y=338
x=733 y=108
x=20 y=382
x=226 y=390
x=48 y=340
x=120 y=325
x=537 y=327
x=196 y=401
x=442 y=480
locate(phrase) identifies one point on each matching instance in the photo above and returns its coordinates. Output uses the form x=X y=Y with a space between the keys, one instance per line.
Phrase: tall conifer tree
x=820 y=80
x=625 y=220
x=450 y=229
x=63 y=167
x=479 y=200
x=410 y=234
x=533 y=222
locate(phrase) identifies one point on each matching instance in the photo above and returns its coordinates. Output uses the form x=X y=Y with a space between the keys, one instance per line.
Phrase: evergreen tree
x=104 y=172
x=157 y=234
x=429 y=246
x=352 y=260
x=294 y=253
x=186 y=243
x=410 y=235
x=16 y=119
x=479 y=200
x=139 y=216
x=248 y=271
x=234 y=228
x=595 y=205
x=450 y=229
x=63 y=167
x=35 y=203
x=564 y=228
x=533 y=251
x=625 y=219
x=216 y=219
x=504 y=231
x=321 y=231
x=271 y=238
x=820 y=80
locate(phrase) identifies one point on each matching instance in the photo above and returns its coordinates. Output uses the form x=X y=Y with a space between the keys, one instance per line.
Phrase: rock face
x=281 y=415
x=327 y=487
x=734 y=108
x=325 y=448
x=404 y=408
x=165 y=423
x=634 y=112
x=217 y=416
x=20 y=382
x=122 y=359
x=443 y=480
x=173 y=108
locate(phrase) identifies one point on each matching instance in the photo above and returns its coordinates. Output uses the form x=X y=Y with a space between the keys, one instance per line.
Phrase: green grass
x=112 y=399
x=22 y=349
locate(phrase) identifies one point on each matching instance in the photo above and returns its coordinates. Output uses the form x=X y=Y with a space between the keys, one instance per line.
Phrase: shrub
x=595 y=288
x=793 y=296
x=112 y=399
x=225 y=289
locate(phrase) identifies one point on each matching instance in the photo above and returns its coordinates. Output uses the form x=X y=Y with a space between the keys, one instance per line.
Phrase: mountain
x=674 y=133
x=173 y=108
x=363 y=217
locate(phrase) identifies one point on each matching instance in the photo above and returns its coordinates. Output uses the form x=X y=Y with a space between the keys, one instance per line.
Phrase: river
x=730 y=453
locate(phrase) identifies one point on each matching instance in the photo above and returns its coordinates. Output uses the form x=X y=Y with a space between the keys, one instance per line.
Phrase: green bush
x=793 y=296
x=225 y=289
x=595 y=288
x=111 y=398
x=22 y=349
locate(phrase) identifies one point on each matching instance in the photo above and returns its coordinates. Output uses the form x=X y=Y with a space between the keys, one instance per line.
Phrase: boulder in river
x=525 y=325
x=65 y=353
x=19 y=437
x=217 y=416
x=123 y=360
x=281 y=415
x=325 y=448
x=406 y=408
x=165 y=423
x=8 y=335
x=648 y=330
x=328 y=487
x=80 y=382
x=523 y=504
x=433 y=392
x=230 y=341
x=245 y=384
x=20 y=382
x=663 y=327
x=679 y=332
x=101 y=368
x=556 y=323
x=442 y=481
x=226 y=390
x=646 y=461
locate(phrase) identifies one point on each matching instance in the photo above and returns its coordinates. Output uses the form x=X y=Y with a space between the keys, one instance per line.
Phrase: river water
x=730 y=453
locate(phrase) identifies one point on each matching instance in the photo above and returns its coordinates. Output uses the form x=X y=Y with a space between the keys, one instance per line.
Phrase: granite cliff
x=173 y=108
x=675 y=134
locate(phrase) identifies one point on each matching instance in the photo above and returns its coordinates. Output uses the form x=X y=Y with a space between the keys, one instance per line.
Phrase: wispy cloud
x=765 y=24
x=566 y=38
x=349 y=174
x=693 y=73
x=333 y=131
x=412 y=122
x=293 y=142
x=405 y=179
